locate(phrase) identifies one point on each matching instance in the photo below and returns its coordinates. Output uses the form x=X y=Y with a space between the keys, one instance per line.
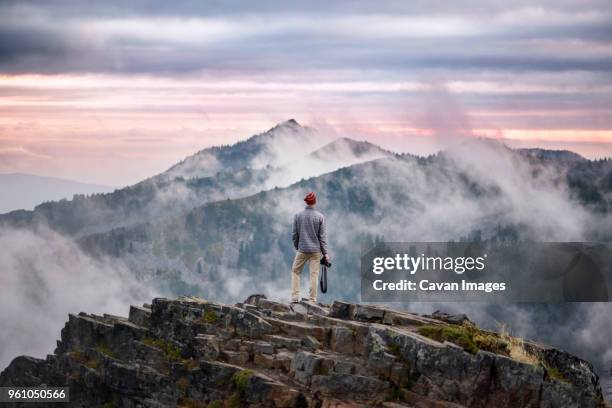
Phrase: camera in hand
x=325 y=262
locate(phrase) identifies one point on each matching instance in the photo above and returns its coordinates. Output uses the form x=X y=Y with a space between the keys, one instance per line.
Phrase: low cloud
x=43 y=277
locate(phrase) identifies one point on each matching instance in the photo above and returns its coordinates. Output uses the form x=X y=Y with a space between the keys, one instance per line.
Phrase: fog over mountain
x=32 y=279
x=24 y=191
x=211 y=174
x=218 y=224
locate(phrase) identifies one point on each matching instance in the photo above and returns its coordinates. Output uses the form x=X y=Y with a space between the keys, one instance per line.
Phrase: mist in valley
x=214 y=233
x=43 y=277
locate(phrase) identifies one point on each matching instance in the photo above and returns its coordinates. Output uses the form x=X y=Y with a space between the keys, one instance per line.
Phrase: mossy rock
x=241 y=380
x=470 y=337
x=395 y=349
x=234 y=401
x=172 y=352
x=454 y=334
x=210 y=317
x=555 y=374
x=489 y=342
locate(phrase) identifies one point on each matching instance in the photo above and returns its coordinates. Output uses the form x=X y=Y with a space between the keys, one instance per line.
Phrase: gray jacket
x=309 y=234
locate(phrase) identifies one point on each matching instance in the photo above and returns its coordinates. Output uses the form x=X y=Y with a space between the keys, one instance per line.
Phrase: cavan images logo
x=494 y=272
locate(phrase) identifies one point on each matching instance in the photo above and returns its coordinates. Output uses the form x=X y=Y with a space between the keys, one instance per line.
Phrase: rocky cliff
x=192 y=353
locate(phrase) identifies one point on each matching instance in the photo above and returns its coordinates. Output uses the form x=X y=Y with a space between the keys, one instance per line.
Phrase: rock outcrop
x=192 y=353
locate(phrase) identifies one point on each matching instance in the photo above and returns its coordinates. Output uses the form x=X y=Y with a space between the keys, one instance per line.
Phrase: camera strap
x=323 y=279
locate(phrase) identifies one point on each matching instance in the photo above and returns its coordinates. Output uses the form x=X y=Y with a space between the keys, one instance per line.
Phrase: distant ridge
x=279 y=156
x=25 y=191
x=550 y=154
x=357 y=148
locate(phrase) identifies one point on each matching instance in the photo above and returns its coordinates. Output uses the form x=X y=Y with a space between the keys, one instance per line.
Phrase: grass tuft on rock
x=234 y=401
x=210 y=317
x=241 y=380
x=555 y=374
x=85 y=360
x=395 y=349
x=454 y=334
x=490 y=342
x=468 y=336
x=172 y=352
x=473 y=339
x=516 y=348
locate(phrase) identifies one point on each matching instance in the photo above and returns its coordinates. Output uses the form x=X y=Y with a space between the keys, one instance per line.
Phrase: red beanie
x=310 y=198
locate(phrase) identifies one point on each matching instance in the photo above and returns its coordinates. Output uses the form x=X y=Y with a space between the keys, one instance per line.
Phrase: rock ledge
x=193 y=353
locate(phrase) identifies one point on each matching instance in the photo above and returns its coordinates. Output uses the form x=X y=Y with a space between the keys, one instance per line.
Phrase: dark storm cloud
x=18 y=42
x=297 y=38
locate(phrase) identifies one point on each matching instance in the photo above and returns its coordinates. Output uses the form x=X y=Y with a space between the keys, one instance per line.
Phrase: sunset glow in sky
x=111 y=94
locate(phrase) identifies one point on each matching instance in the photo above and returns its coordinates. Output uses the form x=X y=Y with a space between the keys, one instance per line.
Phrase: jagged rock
x=342 y=340
x=286 y=342
x=341 y=310
x=264 y=347
x=311 y=308
x=193 y=353
x=236 y=357
x=140 y=315
x=367 y=313
x=311 y=343
x=299 y=308
x=207 y=346
x=450 y=318
x=357 y=386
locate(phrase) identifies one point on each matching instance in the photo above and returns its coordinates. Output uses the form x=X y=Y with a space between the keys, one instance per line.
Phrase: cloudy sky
x=109 y=93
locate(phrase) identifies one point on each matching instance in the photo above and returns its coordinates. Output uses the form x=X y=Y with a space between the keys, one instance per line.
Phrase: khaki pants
x=313 y=260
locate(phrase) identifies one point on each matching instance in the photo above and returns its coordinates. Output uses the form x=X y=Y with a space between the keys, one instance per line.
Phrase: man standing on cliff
x=310 y=241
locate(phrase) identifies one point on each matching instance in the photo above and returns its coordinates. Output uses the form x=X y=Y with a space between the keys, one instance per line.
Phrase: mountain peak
x=291 y=122
x=210 y=160
x=288 y=124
